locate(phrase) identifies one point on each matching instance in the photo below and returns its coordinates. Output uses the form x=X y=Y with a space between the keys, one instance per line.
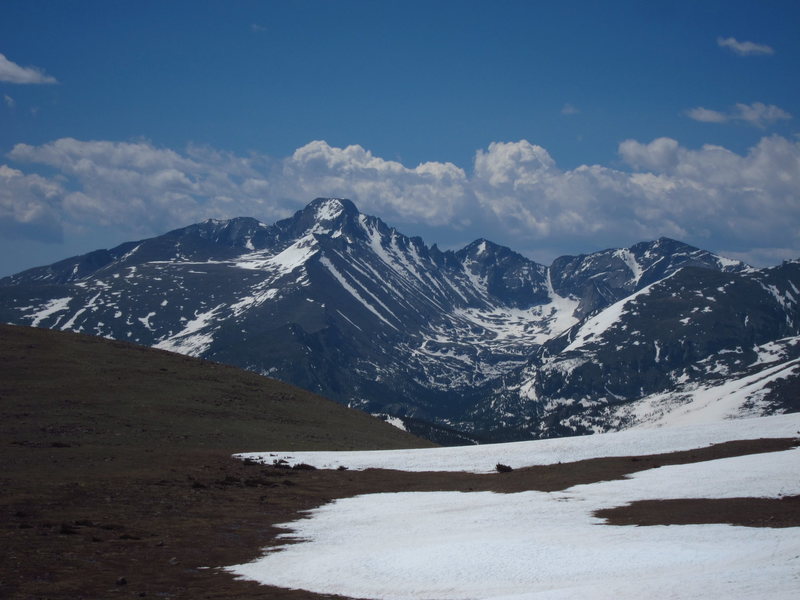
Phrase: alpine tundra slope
x=478 y=344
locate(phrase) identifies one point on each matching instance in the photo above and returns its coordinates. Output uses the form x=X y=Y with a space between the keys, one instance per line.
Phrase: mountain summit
x=480 y=343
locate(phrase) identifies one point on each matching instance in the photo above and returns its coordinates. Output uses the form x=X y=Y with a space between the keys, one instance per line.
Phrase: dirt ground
x=155 y=533
x=116 y=476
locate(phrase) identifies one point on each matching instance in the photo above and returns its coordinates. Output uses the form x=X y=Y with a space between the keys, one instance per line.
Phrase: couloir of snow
x=630 y=261
x=534 y=545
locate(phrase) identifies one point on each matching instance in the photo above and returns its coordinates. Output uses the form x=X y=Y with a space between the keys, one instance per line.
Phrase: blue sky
x=552 y=129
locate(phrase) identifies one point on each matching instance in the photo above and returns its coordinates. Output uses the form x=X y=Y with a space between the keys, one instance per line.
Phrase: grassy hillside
x=117 y=481
x=117 y=472
x=61 y=387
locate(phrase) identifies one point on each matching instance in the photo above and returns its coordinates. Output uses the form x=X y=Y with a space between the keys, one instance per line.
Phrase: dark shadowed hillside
x=88 y=392
x=116 y=464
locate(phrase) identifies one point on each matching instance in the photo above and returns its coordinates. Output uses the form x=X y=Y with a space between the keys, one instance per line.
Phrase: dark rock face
x=510 y=278
x=478 y=344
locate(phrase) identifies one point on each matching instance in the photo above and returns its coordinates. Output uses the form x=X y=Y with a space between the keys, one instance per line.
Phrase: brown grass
x=116 y=464
x=117 y=479
x=747 y=512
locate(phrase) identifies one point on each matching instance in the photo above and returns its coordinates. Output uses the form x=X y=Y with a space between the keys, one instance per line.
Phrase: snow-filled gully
x=531 y=544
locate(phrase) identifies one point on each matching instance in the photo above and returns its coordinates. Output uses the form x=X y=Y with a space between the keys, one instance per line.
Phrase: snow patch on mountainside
x=284 y=262
x=329 y=210
x=594 y=327
x=536 y=324
x=49 y=309
x=630 y=260
x=774 y=351
x=325 y=262
x=728 y=264
x=255 y=300
x=195 y=337
x=295 y=255
x=533 y=325
x=702 y=403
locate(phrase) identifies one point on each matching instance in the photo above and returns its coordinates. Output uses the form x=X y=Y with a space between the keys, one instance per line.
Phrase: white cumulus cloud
x=29 y=205
x=658 y=155
x=431 y=192
x=744 y=48
x=144 y=189
x=11 y=72
x=516 y=194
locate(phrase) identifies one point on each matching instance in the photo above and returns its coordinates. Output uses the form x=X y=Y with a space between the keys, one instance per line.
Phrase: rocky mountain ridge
x=480 y=343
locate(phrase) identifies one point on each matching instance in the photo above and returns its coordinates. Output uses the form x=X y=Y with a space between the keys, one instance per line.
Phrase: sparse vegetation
x=304 y=467
x=114 y=469
x=117 y=466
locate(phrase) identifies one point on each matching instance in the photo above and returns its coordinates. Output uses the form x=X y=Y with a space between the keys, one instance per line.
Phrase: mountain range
x=478 y=344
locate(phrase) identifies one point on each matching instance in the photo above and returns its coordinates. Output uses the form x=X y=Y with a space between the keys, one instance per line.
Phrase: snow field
x=482 y=459
x=540 y=545
x=697 y=403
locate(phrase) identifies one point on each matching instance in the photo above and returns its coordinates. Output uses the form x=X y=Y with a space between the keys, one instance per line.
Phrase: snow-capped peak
x=476 y=339
x=327 y=209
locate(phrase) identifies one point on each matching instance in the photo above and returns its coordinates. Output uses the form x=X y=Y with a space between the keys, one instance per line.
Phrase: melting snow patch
x=631 y=263
x=533 y=545
x=733 y=398
x=146 y=320
x=329 y=210
x=773 y=351
x=284 y=262
x=391 y=420
x=52 y=307
x=482 y=459
x=192 y=341
x=252 y=301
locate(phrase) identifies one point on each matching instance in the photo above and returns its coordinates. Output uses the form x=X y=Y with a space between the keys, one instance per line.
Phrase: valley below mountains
x=476 y=345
